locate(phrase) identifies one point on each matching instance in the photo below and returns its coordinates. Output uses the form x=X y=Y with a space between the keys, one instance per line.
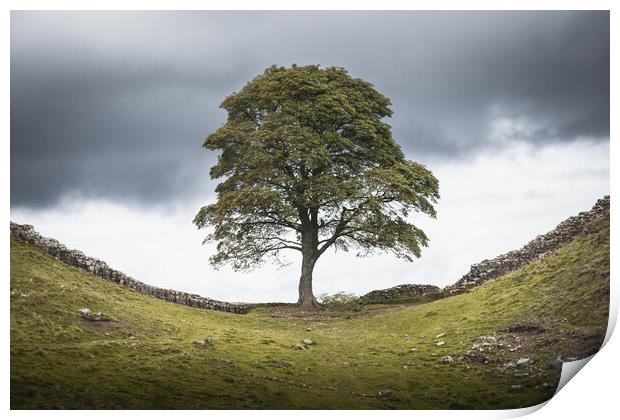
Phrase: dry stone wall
x=99 y=268
x=402 y=293
x=558 y=237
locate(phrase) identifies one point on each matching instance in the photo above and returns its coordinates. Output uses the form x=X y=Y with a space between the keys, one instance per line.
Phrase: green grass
x=151 y=355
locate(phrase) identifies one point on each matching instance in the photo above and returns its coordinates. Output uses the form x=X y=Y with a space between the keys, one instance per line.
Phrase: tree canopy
x=308 y=163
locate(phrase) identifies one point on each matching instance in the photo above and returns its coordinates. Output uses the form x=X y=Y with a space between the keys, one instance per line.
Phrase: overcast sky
x=109 y=111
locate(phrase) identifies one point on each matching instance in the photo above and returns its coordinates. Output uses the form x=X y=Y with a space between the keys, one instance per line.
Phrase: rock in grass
x=524 y=361
x=440 y=343
x=440 y=335
x=207 y=342
x=308 y=342
x=484 y=341
x=413 y=349
x=446 y=359
x=85 y=313
x=299 y=346
x=386 y=394
x=476 y=356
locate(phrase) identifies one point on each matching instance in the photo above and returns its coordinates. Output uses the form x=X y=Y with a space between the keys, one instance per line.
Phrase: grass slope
x=155 y=354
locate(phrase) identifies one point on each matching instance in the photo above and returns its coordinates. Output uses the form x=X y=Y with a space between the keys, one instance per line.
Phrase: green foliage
x=308 y=162
x=155 y=354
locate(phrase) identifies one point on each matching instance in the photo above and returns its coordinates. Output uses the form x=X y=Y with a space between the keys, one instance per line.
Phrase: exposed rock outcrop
x=99 y=268
x=558 y=237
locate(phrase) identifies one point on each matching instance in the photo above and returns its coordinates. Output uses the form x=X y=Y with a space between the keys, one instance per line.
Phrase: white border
x=592 y=394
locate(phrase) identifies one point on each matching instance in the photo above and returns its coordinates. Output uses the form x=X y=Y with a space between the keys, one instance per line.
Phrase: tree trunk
x=306 y=297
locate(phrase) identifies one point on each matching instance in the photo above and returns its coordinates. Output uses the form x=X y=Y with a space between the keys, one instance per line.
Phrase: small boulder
x=207 y=342
x=440 y=335
x=440 y=343
x=85 y=313
x=484 y=341
x=524 y=361
x=308 y=342
x=476 y=356
x=446 y=359
x=299 y=346
x=386 y=394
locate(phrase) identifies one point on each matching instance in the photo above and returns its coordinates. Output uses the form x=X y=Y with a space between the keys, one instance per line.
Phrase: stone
x=299 y=346
x=85 y=313
x=308 y=342
x=440 y=343
x=446 y=359
x=476 y=356
x=413 y=349
x=207 y=342
x=440 y=335
x=386 y=394
x=401 y=293
x=483 y=342
x=524 y=361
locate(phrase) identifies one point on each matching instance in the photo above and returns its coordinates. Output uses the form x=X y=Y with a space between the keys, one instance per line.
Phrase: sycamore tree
x=308 y=163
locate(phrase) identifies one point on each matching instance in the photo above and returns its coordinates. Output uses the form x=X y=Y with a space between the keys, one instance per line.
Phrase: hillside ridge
x=478 y=274
x=77 y=258
x=562 y=234
x=489 y=269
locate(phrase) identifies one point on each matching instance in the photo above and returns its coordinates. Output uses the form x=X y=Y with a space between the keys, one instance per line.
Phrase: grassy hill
x=148 y=353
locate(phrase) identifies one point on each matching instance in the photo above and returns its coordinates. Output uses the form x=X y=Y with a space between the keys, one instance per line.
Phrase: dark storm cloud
x=116 y=104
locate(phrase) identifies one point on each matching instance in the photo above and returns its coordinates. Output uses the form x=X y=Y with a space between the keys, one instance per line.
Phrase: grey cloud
x=116 y=104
